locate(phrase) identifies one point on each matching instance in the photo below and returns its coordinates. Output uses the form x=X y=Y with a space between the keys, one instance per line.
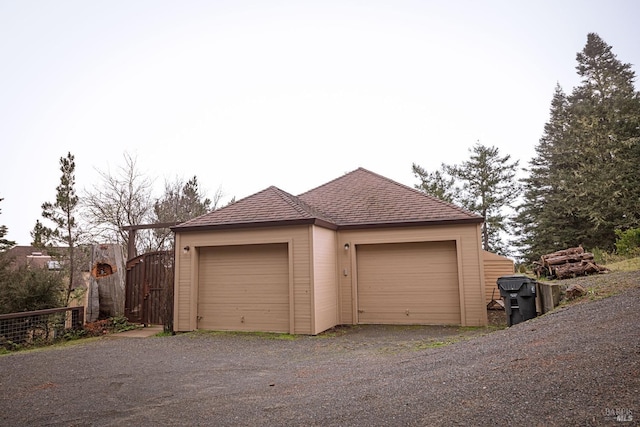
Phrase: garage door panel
x=240 y=295
x=244 y=288
x=408 y=283
x=245 y=317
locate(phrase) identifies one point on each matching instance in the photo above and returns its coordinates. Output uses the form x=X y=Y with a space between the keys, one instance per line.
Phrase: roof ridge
x=422 y=193
x=300 y=205
x=290 y=199
x=452 y=205
x=333 y=180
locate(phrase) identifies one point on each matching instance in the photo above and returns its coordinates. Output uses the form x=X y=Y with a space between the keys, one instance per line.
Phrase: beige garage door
x=244 y=288
x=408 y=283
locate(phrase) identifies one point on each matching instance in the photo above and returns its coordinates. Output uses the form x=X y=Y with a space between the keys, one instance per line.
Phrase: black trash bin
x=519 y=295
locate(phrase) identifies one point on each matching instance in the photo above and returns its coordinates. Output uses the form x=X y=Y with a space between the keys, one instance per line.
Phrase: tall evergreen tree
x=39 y=235
x=606 y=111
x=62 y=214
x=484 y=184
x=438 y=183
x=488 y=188
x=544 y=213
x=583 y=182
x=4 y=243
x=181 y=202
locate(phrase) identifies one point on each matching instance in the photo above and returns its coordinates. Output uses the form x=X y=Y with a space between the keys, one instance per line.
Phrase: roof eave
x=421 y=223
x=262 y=224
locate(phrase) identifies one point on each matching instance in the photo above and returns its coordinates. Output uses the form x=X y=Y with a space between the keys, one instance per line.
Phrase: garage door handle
x=360 y=311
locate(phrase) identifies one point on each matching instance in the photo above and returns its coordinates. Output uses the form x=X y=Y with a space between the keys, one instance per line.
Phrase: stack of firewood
x=567 y=263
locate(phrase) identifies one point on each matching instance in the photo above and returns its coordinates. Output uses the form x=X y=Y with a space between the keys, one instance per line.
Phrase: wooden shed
x=495 y=266
x=359 y=249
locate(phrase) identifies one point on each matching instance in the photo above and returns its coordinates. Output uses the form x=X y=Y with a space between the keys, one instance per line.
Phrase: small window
x=54 y=265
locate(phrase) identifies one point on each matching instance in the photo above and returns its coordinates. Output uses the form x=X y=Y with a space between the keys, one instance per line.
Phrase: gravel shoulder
x=579 y=365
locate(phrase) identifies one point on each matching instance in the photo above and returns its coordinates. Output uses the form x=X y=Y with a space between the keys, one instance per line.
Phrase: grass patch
x=481 y=329
x=164 y=334
x=425 y=345
x=337 y=331
x=632 y=264
x=600 y=286
x=61 y=338
x=465 y=333
x=53 y=346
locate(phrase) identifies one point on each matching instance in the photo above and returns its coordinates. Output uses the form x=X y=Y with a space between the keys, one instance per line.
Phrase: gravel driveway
x=575 y=366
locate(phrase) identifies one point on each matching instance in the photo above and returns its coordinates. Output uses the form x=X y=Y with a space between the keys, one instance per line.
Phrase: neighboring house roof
x=357 y=199
x=29 y=256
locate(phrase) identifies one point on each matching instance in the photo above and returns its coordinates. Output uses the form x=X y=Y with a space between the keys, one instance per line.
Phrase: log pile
x=567 y=263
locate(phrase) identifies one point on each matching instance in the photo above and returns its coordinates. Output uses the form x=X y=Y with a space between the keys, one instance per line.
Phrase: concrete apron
x=145 y=332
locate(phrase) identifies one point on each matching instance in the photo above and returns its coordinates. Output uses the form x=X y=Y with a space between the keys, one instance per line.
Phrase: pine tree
x=542 y=216
x=62 y=214
x=583 y=182
x=439 y=183
x=606 y=116
x=181 y=202
x=488 y=188
x=4 y=243
x=484 y=184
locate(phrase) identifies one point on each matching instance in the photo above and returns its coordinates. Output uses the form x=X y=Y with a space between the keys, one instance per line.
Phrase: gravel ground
x=578 y=365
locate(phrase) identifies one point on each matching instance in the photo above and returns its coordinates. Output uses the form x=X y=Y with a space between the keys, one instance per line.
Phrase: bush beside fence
x=38 y=327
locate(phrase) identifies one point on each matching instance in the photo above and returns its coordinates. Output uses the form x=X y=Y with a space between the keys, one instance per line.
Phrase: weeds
x=425 y=345
x=631 y=264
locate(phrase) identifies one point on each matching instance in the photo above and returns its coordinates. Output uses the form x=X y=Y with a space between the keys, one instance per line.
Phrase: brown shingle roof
x=357 y=199
x=270 y=206
x=363 y=198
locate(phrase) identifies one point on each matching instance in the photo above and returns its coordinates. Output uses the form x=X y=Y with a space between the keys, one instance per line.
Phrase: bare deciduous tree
x=121 y=199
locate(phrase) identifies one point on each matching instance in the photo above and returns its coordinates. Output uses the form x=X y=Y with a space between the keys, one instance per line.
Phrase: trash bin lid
x=513 y=283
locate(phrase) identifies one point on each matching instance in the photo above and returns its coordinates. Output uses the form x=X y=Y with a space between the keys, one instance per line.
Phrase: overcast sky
x=248 y=94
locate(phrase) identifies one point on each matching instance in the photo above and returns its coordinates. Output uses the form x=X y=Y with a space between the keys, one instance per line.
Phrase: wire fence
x=39 y=327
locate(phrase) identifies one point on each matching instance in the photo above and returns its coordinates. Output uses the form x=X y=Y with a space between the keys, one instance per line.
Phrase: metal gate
x=149 y=289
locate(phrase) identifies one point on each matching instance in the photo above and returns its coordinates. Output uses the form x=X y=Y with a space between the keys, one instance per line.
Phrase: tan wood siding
x=473 y=310
x=495 y=266
x=310 y=266
x=408 y=283
x=244 y=288
x=182 y=314
x=302 y=284
x=299 y=267
x=325 y=288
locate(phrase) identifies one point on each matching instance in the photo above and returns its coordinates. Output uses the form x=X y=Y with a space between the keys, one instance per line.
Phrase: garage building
x=359 y=249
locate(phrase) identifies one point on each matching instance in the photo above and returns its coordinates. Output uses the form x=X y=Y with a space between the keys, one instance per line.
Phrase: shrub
x=121 y=324
x=628 y=242
x=603 y=257
x=27 y=289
